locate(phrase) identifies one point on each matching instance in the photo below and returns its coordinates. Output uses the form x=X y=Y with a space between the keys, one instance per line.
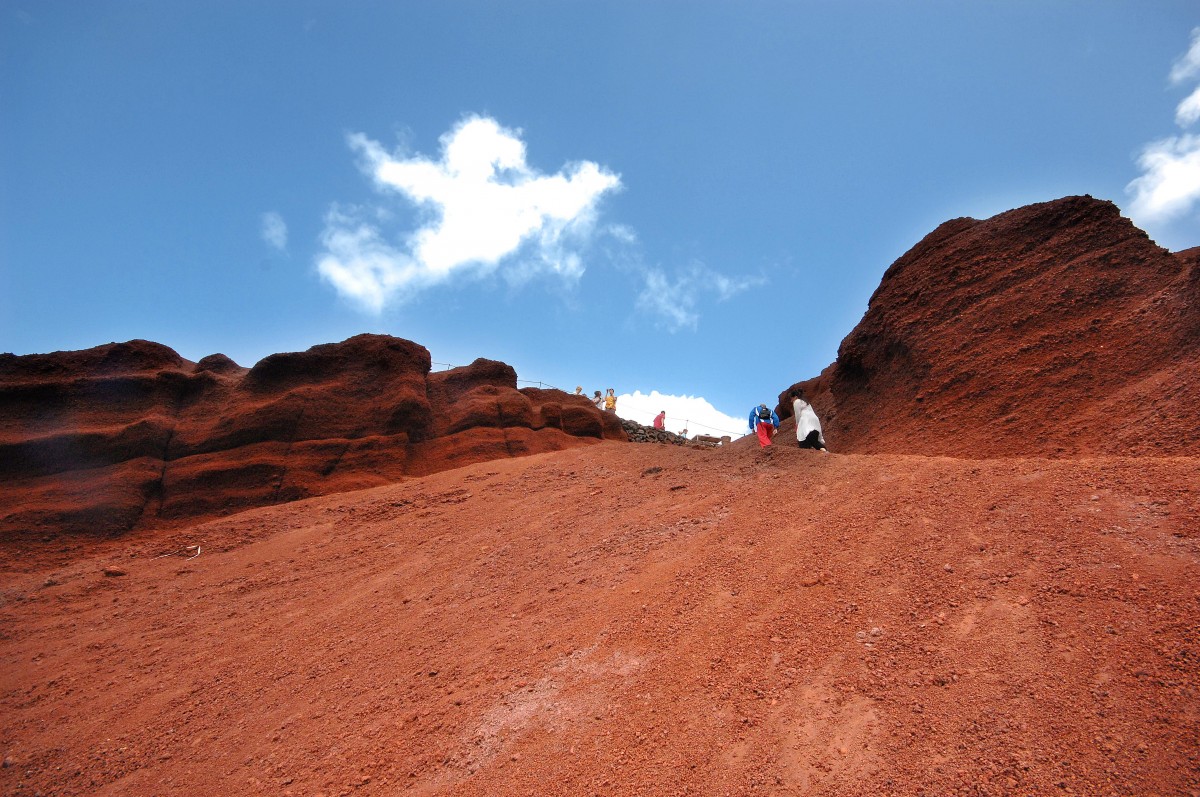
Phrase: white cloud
x=361 y=265
x=484 y=205
x=1169 y=186
x=1170 y=183
x=1187 y=66
x=675 y=309
x=274 y=230
x=623 y=233
x=1189 y=110
x=673 y=302
x=693 y=413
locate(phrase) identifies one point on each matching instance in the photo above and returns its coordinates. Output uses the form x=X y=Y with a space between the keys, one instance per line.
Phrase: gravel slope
x=631 y=619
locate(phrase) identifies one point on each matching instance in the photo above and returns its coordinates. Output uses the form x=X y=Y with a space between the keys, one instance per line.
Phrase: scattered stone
x=648 y=434
x=113 y=572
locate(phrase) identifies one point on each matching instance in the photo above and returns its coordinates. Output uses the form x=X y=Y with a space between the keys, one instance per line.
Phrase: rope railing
x=688 y=424
x=530 y=382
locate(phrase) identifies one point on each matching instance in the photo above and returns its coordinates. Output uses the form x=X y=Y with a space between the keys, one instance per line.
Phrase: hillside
x=633 y=619
x=338 y=573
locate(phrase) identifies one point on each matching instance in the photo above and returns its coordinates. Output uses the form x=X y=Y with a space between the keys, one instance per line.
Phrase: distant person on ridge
x=660 y=420
x=763 y=422
x=598 y=400
x=610 y=400
x=808 y=425
x=579 y=390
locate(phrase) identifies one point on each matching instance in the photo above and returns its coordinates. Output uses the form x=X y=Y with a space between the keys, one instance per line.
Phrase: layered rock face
x=1057 y=329
x=106 y=439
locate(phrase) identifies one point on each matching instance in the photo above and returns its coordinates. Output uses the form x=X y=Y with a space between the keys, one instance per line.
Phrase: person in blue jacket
x=763 y=422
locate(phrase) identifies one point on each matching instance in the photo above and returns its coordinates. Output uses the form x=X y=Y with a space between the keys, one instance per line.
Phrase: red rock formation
x=105 y=439
x=1055 y=329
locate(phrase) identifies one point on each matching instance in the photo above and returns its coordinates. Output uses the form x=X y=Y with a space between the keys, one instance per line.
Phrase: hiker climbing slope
x=763 y=422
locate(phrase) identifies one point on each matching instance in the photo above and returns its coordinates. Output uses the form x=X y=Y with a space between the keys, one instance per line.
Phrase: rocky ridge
x=128 y=434
x=1058 y=329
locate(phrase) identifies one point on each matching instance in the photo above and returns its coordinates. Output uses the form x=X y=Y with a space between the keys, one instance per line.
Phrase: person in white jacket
x=808 y=425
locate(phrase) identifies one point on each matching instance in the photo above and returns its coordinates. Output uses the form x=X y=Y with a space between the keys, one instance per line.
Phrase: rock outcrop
x=1057 y=329
x=105 y=439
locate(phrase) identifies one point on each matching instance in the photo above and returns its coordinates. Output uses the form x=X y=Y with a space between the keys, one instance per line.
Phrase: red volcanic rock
x=482 y=415
x=218 y=363
x=483 y=393
x=106 y=439
x=74 y=410
x=1057 y=329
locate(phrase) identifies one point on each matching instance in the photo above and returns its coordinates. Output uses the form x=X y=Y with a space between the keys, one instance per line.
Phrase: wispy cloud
x=1170 y=181
x=673 y=301
x=274 y=231
x=485 y=209
x=1189 y=110
x=1187 y=66
x=1169 y=186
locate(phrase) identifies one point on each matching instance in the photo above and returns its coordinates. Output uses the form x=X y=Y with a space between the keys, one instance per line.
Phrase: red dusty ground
x=631 y=619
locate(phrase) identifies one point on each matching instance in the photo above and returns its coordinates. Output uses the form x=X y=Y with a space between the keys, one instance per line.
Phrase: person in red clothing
x=763 y=422
x=660 y=420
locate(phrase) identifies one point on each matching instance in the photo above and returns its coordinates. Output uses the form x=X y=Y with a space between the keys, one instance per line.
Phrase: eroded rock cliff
x=105 y=439
x=1057 y=329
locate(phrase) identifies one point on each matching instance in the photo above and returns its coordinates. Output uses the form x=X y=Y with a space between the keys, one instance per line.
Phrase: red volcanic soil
x=1057 y=329
x=991 y=587
x=632 y=619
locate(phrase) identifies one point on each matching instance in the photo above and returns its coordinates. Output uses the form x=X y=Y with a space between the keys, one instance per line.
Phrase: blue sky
x=693 y=198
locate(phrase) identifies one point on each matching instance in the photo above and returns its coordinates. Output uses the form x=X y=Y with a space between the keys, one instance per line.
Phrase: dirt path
x=625 y=619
